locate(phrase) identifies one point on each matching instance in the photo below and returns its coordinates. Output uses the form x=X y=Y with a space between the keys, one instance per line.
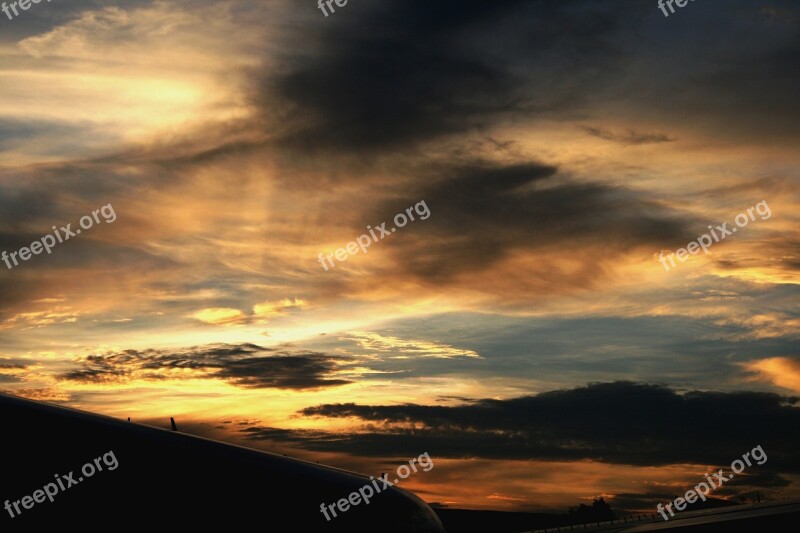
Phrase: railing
x=630 y=519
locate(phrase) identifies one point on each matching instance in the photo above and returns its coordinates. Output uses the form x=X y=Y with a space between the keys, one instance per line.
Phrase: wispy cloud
x=407 y=349
x=629 y=137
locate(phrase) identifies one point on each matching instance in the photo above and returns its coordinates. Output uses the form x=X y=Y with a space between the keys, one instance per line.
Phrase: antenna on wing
x=172 y=421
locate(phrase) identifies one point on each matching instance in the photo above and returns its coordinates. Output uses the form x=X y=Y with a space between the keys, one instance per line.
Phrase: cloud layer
x=246 y=365
x=621 y=422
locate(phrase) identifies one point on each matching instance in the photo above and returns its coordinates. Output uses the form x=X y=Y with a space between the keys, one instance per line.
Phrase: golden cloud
x=268 y=309
x=782 y=372
x=219 y=316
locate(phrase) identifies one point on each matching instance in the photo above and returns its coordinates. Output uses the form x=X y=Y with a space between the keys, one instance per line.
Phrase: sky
x=525 y=314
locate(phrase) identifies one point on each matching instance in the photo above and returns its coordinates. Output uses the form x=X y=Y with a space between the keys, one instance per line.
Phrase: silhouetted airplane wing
x=58 y=471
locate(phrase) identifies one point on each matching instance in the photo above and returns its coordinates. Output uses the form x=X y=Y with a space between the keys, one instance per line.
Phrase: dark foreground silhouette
x=166 y=478
x=761 y=517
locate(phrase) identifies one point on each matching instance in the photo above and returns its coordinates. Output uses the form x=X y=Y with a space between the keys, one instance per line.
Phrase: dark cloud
x=621 y=422
x=741 y=87
x=761 y=86
x=15 y=131
x=482 y=212
x=28 y=202
x=426 y=69
x=9 y=364
x=774 y=250
x=14 y=290
x=302 y=371
x=13 y=364
x=244 y=365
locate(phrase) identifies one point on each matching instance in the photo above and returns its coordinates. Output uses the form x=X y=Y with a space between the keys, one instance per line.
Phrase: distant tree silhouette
x=600 y=511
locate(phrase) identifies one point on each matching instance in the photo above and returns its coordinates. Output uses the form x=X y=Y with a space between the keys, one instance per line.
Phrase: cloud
x=240 y=365
x=12 y=370
x=630 y=137
x=422 y=74
x=407 y=348
x=783 y=372
x=219 y=315
x=268 y=309
x=37 y=319
x=111 y=58
x=44 y=394
x=485 y=213
x=620 y=422
x=7 y=363
x=225 y=316
x=301 y=371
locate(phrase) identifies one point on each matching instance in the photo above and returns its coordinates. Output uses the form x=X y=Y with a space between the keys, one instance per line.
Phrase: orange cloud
x=783 y=372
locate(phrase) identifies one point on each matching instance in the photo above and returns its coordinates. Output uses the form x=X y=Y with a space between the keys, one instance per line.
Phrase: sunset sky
x=524 y=334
